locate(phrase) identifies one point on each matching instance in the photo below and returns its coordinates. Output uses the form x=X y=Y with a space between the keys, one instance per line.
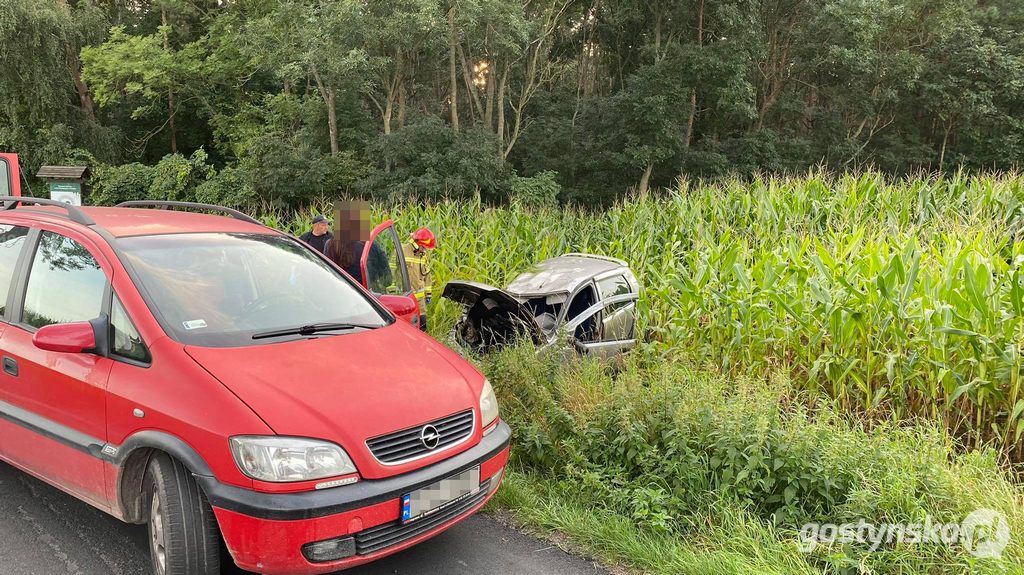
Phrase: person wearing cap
x=416 y=261
x=317 y=237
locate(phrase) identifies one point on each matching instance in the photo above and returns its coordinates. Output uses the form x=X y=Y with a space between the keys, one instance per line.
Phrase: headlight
x=281 y=459
x=488 y=405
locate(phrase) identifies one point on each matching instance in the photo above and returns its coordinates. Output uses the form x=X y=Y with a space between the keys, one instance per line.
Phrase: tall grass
x=677 y=471
x=899 y=299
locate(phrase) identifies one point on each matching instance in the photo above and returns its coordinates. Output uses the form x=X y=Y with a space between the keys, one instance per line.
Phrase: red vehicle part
x=272 y=546
x=89 y=422
x=10 y=175
x=73 y=337
x=408 y=310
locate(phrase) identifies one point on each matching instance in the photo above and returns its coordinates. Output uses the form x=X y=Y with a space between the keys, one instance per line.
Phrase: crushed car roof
x=562 y=274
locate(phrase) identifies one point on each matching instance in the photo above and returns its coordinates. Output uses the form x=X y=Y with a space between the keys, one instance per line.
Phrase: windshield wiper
x=311 y=329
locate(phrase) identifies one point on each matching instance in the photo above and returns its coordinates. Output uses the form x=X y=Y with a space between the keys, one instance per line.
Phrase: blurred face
x=320 y=229
x=353 y=220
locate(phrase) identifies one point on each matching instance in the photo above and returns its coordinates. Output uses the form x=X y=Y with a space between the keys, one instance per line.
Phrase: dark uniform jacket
x=319 y=243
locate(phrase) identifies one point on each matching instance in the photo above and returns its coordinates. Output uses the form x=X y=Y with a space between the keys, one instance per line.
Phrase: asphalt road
x=44 y=531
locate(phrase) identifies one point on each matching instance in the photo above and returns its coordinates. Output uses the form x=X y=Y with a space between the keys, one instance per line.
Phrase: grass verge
x=547 y=508
x=665 y=469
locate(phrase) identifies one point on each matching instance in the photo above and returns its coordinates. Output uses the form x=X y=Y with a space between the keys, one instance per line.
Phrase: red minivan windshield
x=220 y=289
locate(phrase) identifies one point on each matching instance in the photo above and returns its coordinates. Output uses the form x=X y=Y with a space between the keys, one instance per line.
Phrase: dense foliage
x=292 y=99
x=684 y=472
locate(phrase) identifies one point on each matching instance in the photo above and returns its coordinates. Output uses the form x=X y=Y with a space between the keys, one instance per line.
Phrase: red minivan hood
x=347 y=388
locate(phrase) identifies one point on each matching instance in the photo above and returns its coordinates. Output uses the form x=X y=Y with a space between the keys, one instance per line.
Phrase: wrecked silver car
x=591 y=299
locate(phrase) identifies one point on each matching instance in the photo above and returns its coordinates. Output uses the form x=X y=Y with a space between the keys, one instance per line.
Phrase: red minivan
x=231 y=388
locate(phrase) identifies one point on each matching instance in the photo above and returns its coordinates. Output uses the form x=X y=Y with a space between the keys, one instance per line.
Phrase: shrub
x=538 y=190
x=176 y=177
x=288 y=176
x=229 y=187
x=115 y=184
x=427 y=159
x=667 y=447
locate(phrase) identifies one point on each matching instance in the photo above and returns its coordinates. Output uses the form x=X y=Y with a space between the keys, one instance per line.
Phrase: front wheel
x=183 y=534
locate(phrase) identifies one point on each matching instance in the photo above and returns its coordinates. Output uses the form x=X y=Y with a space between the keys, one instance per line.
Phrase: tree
x=583 y=98
x=537 y=67
x=314 y=39
x=144 y=72
x=395 y=31
x=46 y=109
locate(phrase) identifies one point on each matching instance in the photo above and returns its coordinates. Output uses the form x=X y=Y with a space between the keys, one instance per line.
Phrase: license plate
x=431 y=499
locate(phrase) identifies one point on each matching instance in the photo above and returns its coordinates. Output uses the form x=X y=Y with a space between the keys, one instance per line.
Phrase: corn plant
x=897 y=298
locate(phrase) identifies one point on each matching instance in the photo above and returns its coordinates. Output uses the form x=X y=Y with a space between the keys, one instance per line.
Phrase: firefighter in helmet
x=420 y=242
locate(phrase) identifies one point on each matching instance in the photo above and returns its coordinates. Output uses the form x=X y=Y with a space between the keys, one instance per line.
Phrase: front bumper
x=265 y=532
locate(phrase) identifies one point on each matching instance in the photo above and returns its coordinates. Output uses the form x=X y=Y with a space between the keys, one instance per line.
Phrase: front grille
x=390 y=534
x=407 y=444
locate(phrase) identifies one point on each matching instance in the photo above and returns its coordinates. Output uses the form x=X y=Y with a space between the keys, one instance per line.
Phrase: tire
x=184 y=538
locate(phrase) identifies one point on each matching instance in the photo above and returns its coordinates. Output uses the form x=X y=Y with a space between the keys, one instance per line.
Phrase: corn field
x=899 y=299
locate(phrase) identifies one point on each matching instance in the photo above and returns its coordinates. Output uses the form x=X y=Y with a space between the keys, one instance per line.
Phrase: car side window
x=587 y=330
x=6 y=188
x=65 y=283
x=382 y=273
x=618 y=321
x=12 y=240
x=613 y=286
x=125 y=339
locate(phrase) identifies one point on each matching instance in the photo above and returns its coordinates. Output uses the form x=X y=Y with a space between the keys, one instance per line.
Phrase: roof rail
x=210 y=207
x=597 y=257
x=75 y=213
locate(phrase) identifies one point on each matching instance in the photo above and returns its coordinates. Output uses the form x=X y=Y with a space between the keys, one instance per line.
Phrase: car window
x=618 y=321
x=125 y=340
x=613 y=286
x=65 y=283
x=220 y=289
x=5 y=178
x=12 y=240
x=382 y=273
x=586 y=331
x=580 y=302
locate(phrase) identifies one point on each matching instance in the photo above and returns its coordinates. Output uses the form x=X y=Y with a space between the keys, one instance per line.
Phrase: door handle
x=11 y=366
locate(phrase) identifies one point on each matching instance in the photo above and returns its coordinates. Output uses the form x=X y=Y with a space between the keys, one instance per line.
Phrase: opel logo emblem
x=429 y=436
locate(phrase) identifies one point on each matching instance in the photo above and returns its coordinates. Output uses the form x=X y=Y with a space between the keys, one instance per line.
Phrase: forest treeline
x=581 y=100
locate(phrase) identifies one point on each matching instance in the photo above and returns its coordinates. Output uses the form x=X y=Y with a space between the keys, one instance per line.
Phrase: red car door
x=54 y=403
x=384 y=273
x=10 y=175
x=12 y=243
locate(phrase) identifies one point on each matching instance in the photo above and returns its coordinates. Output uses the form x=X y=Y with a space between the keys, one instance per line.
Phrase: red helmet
x=424 y=238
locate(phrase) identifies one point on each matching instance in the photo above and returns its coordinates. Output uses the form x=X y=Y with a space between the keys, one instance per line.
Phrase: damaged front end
x=492 y=317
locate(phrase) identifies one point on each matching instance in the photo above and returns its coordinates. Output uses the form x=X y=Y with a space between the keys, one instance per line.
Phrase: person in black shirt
x=317 y=237
x=346 y=247
x=346 y=253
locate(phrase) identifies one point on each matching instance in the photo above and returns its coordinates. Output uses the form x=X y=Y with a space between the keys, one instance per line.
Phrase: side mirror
x=400 y=305
x=76 y=337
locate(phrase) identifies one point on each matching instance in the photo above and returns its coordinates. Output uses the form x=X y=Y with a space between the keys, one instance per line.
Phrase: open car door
x=384 y=273
x=10 y=175
x=606 y=328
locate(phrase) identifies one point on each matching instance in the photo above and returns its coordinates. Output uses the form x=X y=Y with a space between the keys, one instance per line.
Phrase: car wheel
x=183 y=535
